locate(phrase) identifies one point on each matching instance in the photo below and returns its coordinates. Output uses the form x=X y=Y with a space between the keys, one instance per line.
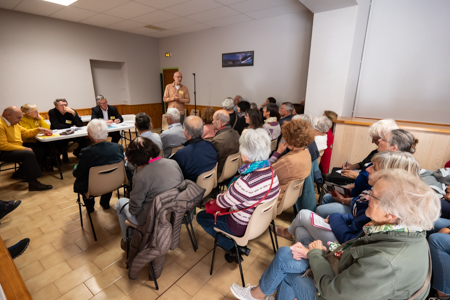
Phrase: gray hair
x=173 y=114
x=404 y=140
x=397 y=160
x=382 y=127
x=223 y=117
x=100 y=98
x=228 y=103
x=322 y=123
x=253 y=105
x=409 y=198
x=97 y=129
x=288 y=106
x=305 y=117
x=193 y=126
x=60 y=100
x=255 y=144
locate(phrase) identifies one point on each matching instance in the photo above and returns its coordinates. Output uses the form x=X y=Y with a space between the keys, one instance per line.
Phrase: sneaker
x=37 y=186
x=19 y=248
x=242 y=293
x=9 y=207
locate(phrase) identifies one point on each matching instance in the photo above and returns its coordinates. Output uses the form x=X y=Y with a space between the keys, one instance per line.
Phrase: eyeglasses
x=384 y=140
x=371 y=195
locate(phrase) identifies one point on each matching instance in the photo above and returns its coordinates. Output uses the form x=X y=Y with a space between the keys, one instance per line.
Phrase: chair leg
x=152 y=272
x=79 y=206
x=240 y=265
x=193 y=236
x=193 y=240
x=92 y=226
x=275 y=233
x=271 y=238
x=214 y=253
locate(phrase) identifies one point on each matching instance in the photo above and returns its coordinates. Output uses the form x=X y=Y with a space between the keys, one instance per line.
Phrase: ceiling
x=174 y=16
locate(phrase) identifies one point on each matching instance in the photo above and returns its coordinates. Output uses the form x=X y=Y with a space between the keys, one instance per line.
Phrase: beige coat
x=171 y=93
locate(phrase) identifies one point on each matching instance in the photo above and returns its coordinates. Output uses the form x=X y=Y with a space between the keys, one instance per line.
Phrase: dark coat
x=197 y=157
x=59 y=121
x=285 y=119
x=226 y=142
x=113 y=114
x=103 y=153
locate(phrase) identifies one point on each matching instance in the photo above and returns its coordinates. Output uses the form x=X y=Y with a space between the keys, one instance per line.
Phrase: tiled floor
x=64 y=262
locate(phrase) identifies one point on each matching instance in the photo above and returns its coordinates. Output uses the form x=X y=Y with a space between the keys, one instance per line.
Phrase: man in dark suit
x=100 y=153
x=109 y=114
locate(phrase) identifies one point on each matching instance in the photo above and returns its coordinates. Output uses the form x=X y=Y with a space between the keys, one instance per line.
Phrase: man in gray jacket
x=174 y=136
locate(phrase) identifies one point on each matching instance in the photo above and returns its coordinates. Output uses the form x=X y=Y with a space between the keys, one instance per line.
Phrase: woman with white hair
x=32 y=119
x=228 y=105
x=321 y=126
x=256 y=179
x=377 y=131
x=389 y=260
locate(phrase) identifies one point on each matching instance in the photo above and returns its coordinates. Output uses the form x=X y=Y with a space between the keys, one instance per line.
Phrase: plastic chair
x=164 y=124
x=130 y=228
x=175 y=149
x=230 y=167
x=259 y=221
x=102 y=180
x=7 y=162
x=290 y=196
x=208 y=180
x=131 y=118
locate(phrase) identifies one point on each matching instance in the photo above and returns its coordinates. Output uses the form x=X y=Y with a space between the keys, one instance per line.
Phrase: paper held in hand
x=319 y=222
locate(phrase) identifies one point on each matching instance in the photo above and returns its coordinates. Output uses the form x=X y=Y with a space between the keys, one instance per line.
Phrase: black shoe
x=232 y=258
x=123 y=245
x=89 y=203
x=19 y=248
x=66 y=158
x=37 y=186
x=105 y=204
x=9 y=207
x=18 y=176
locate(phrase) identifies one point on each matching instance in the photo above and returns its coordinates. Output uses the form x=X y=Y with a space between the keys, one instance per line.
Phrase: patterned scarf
x=248 y=168
x=270 y=120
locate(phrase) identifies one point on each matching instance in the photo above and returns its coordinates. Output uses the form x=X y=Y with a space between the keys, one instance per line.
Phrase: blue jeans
x=207 y=222
x=124 y=214
x=440 y=260
x=440 y=223
x=284 y=274
x=325 y=210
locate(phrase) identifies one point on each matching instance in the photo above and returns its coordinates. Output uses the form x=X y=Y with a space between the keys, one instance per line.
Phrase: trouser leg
x=115 y=136
x=29 y=166
x=207 y=222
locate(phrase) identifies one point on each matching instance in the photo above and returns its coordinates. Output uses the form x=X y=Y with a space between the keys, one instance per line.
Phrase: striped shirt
x=243 y=193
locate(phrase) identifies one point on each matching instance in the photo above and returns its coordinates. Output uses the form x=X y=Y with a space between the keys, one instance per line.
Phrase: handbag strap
x=427 y=279
x=218 y=213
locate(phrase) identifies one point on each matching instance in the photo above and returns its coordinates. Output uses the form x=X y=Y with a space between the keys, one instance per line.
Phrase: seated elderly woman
x=296 y=164
x=347 y=222
x=156 y=175
x=256 y=179
x=321 y=126
x=271 y=125
x=396 y=140
x=389 y=260
x=253 y=119
x=208 y=128
x=32 y=119
x=377 y=131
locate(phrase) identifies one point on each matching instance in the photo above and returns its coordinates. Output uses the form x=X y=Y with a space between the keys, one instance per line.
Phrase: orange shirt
x=171 y=93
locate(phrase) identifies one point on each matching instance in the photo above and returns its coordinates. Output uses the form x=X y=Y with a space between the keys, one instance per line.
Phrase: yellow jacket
x=11 y=136
x=31 y=123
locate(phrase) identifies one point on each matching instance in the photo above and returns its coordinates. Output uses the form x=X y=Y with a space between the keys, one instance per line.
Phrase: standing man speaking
x=176 y=95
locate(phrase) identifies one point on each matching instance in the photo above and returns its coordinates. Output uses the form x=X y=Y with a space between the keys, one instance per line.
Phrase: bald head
x=12 y=114
x=177 y=77
x=237 y=99
x=221 y=118
x=193 y=127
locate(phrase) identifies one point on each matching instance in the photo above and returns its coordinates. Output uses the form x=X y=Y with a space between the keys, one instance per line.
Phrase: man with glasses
x=176 y=95
x=109 y=114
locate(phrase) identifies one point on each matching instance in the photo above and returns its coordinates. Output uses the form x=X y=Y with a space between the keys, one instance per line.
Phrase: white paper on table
x=339 y=171
x=319 y=222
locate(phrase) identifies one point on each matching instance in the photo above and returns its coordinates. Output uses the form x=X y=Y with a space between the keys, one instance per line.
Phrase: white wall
x=281 y=46
x=42 y=59
x=405 y=71
x=331 y=52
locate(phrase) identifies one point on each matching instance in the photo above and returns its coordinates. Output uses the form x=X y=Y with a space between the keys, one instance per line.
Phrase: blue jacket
x=197 y=157
x=308 y=198
x=361 y=182
x=348 y=226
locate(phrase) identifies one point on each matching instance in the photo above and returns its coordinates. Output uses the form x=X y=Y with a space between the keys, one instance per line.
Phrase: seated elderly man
x=100 y=153
x=174 y=136
x=143 y=124
x=109 y=114
x=226 y=140
x=196 y=147
x=64 y=117
x=228 y=105
x=12 y=150
x=286 y=112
